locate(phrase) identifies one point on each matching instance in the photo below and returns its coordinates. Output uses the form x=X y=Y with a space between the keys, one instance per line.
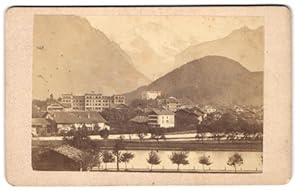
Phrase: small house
x=40 y=127
x=61 y=158
x=161 y=118
x=67 y=121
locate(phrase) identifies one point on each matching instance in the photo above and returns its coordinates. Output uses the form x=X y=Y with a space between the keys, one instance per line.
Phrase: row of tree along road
x=95 y=156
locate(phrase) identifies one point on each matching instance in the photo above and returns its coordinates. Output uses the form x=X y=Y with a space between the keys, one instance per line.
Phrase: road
x=175 y=144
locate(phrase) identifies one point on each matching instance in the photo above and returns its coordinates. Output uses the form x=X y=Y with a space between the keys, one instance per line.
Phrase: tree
x=235 y=160
x=205 y=160
x=201 y=129
x=138 y=103
x=119 y=145
x=99 y=159
x=141 y=136
x=157 y=133
x=126 y=157
x=209 y=124
x=81 y=140
x=104 y=133
x=226 y=124
x=153 y=159
x=107 y=157
x=179 y=158
x=89 y=160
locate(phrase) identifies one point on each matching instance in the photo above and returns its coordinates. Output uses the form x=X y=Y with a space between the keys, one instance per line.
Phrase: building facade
x=78 y=103
x=67 y=121
x=161 y=119
x=96 y=102
x=188 y=119
x=92 y=101
x=172 y=104
x=117 y=99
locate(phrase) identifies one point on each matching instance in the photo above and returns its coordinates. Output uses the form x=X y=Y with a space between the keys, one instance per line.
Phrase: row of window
x=106 y=101
x=78 y=100
x=101 y=100
x=96 y=104
x=94 y=108
x=119 y=97
x=78 y=108
x=93 y=97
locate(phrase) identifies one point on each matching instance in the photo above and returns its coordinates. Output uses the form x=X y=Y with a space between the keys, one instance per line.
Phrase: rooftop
x=39 y=121
x=140 y=119
x=70 y=152
x=194 y=111
x=78 y=117
x=162 y=112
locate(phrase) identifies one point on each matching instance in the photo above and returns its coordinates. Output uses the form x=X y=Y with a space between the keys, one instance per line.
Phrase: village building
x=161 y=118
x=117 y=99
x=147 y=95
x=209 y=109
x=36 y=112
x=67 y=121
x=67 y=98
x=78 y=103
x=139 y=124
x=119 y=106
x=56 y=106
x=96 y=102
x=91 y=101
x=140 y=119
x=40 y=127
x=61 y=158
x=187 y=119
x=172 y=104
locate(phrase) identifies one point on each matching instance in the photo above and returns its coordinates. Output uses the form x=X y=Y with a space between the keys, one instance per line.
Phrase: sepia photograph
x=148 y=93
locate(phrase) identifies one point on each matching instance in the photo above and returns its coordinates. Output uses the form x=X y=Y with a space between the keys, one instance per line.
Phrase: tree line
x=94 y=156
x=231 y=124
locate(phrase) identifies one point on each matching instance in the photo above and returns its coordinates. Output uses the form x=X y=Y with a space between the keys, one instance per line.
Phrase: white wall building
x=150 y=94
x=91 y=101
x=161 y=118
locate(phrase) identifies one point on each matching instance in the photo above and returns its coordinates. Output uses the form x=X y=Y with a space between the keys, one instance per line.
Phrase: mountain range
x=244 y=45
x=209 y=80
x=152 y=45
x=69 y=55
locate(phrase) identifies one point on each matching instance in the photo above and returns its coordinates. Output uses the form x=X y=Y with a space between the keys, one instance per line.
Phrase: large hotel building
x=91 y=101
